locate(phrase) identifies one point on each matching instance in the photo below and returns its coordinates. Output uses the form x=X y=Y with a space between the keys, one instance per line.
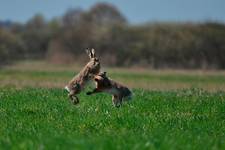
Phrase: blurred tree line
x=103 y=27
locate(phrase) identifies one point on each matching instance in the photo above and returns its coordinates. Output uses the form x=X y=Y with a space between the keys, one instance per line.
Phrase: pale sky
x=136 y=11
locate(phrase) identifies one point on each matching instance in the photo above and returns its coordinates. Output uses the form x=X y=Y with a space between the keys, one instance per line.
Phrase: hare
x=119 y=91
x=77 y=84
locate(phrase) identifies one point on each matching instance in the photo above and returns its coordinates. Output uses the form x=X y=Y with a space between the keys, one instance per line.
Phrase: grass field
x=170 y=110
x=44 y=119
x=42 y=74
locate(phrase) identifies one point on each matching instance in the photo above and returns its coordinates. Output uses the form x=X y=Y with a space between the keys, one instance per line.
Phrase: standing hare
x=119 y=91
x=77 y=84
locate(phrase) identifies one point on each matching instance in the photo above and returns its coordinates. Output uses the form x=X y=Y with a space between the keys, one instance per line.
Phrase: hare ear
x=88 y=51
x=93 y=52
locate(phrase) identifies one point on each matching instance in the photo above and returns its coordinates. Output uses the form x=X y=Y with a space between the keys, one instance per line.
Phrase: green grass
x=148 y=80
x=40 y=118
x=35 y=112
x=122 y=75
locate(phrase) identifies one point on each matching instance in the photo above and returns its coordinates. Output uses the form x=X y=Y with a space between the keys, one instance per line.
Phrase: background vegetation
x=103 y=27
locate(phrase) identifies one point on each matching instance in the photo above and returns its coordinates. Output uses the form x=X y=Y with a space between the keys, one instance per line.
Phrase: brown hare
x=77 y=84
x=119 y=91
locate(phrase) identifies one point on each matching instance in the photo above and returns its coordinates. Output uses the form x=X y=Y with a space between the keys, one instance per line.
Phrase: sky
x=136 y=11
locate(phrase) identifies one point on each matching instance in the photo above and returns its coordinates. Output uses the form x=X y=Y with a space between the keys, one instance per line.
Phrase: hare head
x=94 y=63
x=102 y=80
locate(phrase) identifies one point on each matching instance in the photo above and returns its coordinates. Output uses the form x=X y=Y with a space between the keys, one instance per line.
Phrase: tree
x=72 y=17
x=104 y=14
x=36 y=37
x=10 y=47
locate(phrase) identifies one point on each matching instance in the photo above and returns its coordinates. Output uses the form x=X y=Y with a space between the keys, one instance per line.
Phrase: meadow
x=43 y=74
x=170 y=110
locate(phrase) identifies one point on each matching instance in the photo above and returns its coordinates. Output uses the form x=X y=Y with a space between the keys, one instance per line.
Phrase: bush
x=103 y=27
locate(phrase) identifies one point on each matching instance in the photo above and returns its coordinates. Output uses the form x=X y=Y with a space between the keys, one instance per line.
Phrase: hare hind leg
x=116 y=100
x=74 y=99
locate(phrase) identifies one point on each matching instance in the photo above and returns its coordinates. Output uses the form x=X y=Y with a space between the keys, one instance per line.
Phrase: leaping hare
x=119 y=91
x=77 y=84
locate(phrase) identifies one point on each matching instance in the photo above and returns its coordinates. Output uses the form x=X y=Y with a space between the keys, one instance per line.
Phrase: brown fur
x=104 y=84
x=77 y=84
